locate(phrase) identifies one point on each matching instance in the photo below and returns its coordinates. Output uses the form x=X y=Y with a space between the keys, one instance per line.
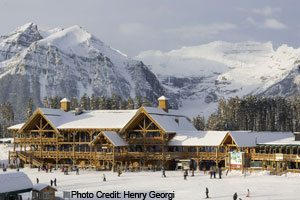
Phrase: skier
x=104 y=178
x=235 y=196
x=37 y=181
x=51 y=182
x=220 y=172
x=163 y=172
x=248 y=193
x=206 y=192
x=77 y=170
x=54 y=182
x=193 y=172
x=39 y=168
x=185 y=174
x=119 y=172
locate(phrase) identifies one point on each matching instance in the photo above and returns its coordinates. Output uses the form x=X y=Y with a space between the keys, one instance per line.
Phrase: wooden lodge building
x=144 y=138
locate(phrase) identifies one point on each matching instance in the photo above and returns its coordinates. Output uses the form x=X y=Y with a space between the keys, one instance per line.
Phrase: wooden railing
x=271 y=157
x=37 y=140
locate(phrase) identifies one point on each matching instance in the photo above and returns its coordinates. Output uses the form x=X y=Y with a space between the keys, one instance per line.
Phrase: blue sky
x=133 y=26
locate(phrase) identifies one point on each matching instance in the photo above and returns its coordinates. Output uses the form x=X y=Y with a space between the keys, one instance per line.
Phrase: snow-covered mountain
x=68 y=62
x=204 y=74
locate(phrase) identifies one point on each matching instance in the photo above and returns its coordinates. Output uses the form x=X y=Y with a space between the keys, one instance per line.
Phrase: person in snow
x=77 y=170
x=193 y=172
x=214 y=171
x=104 y=178
x=163 y=172
x=185 y=174
x=37 y=180
x=54 y=182
x=211 y=171
x=220 y=172
x=206 y=192
x=51 y=182
x=119 y=172
x=248 y=193
x=235 y=196
x=39 y=168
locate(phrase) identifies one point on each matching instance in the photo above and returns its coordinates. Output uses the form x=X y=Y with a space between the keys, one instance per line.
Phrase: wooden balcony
x=38 y=140
x=274 y=157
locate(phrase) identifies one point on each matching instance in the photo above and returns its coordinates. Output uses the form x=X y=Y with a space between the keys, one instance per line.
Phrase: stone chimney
x=163 y=103
x=297 y=136
x=65 y=104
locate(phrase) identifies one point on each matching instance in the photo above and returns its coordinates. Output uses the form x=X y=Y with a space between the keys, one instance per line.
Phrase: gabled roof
x=251 y=139
x=14 y=182
x=113 y=137
x=171 y=121
x=41 y=186
x=198 y=138
x=16 y=126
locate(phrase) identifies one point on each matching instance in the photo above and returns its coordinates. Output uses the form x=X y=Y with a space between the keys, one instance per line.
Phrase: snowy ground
x=262 y=186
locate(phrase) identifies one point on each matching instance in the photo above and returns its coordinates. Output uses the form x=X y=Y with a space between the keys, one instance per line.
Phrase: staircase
x=26 y=157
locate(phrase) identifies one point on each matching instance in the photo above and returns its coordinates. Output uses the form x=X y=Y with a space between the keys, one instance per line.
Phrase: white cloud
x=267 y=11
x=272 y=23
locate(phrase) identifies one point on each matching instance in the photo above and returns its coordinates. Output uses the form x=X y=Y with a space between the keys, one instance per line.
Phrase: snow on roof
x=17 y=126
x=153 y=110
x=65 y=100
x=198 y=138
x=14 y=181
x=162 y=98
x=88 y=119
x=41 y=186
x=115 y=138
x=251 y=139
x=173 y=123
x=6 y=139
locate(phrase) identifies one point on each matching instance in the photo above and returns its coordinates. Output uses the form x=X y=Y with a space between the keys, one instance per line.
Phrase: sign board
x=279 y=157
x=236 y=159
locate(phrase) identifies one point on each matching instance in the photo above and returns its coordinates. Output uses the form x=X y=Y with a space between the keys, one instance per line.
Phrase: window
x=46 y=195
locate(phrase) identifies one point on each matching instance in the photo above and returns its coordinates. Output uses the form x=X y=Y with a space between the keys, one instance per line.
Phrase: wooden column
x=198 y=167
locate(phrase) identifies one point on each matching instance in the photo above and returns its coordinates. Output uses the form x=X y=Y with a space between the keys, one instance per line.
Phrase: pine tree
x=122 y=104
x=29 y=108
x=114 y=102
x=51 y=103
x=102 y=103
x=83 y=102
x=108 y=103
x=146 y=103
x=93 y=102
x=45 y=102
x=56 y=102
x=88 y=103
x=137 y=101
x=130 y=104
x=74 y=103
x=199 y=123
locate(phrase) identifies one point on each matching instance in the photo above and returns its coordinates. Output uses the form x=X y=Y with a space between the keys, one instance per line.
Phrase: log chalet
x=144 y=138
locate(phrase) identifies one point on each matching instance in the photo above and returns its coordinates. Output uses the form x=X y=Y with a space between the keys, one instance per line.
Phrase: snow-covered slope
x=204 y=74
x=68 y=62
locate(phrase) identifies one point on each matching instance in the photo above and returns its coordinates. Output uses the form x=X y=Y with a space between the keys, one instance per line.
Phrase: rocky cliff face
x=68 y=62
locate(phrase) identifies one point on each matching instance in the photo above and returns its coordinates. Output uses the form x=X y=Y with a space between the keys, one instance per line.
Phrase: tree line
x=255 y=114
x=85 y=102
